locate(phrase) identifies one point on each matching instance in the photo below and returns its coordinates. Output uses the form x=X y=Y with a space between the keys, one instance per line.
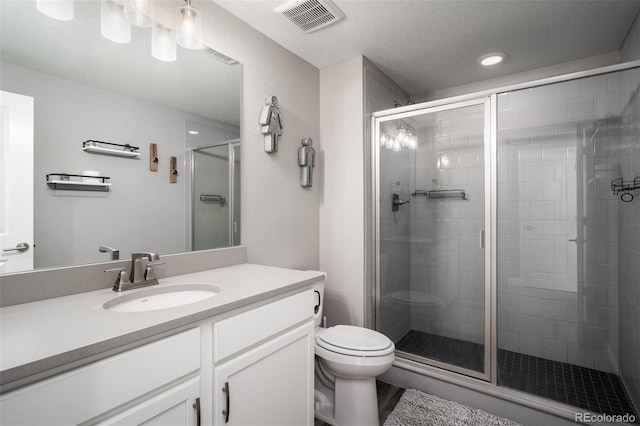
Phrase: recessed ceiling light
x=491 y=59
x=193 y=132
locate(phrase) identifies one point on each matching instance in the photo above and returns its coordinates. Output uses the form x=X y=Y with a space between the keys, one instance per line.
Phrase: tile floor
x=581 y=387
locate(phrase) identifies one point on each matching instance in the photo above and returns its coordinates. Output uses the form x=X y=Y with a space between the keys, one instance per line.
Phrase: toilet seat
x=355 y=341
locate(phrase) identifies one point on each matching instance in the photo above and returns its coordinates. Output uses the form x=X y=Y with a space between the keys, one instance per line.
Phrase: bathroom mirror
x=85 y=87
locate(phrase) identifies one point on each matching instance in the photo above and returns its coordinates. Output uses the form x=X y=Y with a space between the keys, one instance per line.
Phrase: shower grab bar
x=441 y=193
x=214 y=198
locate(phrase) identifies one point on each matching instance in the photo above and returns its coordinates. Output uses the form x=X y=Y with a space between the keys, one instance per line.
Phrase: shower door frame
x=422 y=365
x=490 y=217
x=231 y=144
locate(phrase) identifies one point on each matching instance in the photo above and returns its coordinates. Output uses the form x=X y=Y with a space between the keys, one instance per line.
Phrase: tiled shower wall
x=447 y=261
x=558 y=222
x=628 y=159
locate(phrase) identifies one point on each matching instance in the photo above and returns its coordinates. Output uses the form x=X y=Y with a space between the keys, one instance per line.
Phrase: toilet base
x=356 y=402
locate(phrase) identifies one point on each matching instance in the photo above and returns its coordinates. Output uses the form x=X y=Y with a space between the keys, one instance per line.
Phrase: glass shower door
x=432 y=283
x=215 y=196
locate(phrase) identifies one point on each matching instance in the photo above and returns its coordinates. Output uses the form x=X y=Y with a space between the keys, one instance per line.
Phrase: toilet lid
x=354 y=339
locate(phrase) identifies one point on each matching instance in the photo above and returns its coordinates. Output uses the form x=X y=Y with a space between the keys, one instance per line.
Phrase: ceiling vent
x=310 y=15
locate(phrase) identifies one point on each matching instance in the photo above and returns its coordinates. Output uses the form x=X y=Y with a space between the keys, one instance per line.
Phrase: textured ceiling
x=427 y=45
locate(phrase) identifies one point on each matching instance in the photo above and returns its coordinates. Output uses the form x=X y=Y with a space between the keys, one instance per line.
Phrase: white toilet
x=348 y=359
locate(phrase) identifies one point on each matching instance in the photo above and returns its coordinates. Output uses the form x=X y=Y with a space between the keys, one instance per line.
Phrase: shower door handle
x=482 y=238
x=396 y=202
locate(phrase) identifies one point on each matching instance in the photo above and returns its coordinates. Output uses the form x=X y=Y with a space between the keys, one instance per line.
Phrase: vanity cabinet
x=262 y=355
x=177 y=406
x=137 y=383
x=264 y=365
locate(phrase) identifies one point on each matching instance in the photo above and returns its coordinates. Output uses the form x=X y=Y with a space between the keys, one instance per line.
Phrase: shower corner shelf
x=75 y=182
x=119 y=150
x=620 y=185
x=441 y=193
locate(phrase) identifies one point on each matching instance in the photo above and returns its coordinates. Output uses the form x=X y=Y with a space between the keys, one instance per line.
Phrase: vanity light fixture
x=139 y=12
x=189 y=26
x=492 y=59
x=61 y=10
x=113 y=25
x=163 y=43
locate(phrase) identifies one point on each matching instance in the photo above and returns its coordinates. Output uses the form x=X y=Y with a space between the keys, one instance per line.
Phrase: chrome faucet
x=136 y=277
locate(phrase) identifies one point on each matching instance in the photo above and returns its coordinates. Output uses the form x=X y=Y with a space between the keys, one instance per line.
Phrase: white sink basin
x=153 y=299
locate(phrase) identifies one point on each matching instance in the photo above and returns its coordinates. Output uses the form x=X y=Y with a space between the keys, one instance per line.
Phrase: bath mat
x=417 y=408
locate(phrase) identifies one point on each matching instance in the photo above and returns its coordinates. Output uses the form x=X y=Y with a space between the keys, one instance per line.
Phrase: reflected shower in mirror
x=85 y=87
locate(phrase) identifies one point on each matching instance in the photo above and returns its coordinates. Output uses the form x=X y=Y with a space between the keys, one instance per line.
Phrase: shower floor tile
x=581 y=387
x=445 y=349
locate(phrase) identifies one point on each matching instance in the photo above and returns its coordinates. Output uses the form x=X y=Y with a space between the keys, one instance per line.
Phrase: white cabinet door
x=271 y=384
x=177 y=406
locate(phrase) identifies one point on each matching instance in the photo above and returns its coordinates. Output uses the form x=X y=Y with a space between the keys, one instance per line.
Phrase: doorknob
x=21 y=247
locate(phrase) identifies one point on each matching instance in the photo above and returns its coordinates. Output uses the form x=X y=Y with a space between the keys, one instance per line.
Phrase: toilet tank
x=318 y=303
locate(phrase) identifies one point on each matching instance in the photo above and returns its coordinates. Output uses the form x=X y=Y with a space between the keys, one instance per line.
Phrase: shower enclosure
x=215 y=196
x=503 y=248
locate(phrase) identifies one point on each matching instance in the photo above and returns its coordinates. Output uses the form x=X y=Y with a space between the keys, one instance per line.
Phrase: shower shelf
x=78 y=182
x=619 y=185
x=120 y=150
x=213 y=198
x=441 y=193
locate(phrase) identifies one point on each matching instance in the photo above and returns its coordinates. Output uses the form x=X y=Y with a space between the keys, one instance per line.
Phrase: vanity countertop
x=41 y=336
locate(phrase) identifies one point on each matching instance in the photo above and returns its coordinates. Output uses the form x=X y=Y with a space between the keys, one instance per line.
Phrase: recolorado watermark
x=604 y=418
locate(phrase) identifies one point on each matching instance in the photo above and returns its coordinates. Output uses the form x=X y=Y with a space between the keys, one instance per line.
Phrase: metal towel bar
x=214 y=198
x=441 y=193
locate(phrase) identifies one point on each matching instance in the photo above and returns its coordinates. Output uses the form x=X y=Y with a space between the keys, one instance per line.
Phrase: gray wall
x=280 y=220
x=142 y=211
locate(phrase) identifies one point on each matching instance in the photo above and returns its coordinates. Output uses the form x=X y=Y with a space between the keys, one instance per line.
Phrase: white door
x=16 y=182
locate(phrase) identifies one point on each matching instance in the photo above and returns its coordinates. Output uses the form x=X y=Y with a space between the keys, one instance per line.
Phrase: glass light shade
x=56 y=9
x=113 y=26
x=189 y=27
x=139 y=12
x=163 y=43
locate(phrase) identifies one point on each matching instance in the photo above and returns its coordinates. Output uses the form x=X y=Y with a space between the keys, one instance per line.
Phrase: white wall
x=279 y=218
x=342 y=196
x=349 y=92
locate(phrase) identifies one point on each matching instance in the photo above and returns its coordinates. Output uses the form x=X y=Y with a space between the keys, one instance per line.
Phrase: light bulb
x=139 y=12
x=189 y=27
x=61 y=10
x=112 y=23
x=163 y=43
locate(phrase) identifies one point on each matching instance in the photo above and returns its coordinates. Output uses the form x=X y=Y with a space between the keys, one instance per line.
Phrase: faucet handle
x=149 y=275
x=121 y=281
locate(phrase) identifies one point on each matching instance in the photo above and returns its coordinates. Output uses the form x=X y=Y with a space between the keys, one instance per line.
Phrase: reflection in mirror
x=84 y=87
